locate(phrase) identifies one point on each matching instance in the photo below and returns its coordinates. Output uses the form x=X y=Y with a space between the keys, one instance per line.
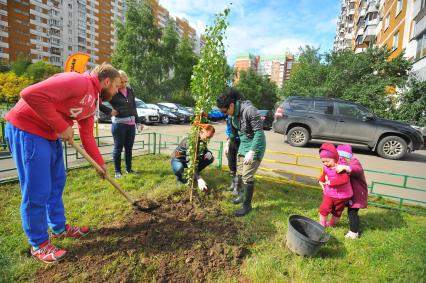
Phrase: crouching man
x=180 y=157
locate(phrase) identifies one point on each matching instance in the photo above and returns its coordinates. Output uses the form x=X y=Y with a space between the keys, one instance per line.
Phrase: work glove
x=249 y=157
x=227 y=148
x=202 y=185
x=208 y=156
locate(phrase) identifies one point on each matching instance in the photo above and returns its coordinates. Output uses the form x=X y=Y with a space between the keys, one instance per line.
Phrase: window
x=398 y=7
x=395 y=41
x=300 y=105
x=324 y=107
x=352 y=111
x=421 y=47
x=387 y=21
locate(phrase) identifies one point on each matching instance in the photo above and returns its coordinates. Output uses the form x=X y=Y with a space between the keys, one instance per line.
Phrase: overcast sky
x=264 y=27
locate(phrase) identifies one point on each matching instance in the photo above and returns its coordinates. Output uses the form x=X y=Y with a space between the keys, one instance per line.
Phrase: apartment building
x=345 y=24
x=52 y=30
x=4 y=35
x=399 y=25
x=276 y=67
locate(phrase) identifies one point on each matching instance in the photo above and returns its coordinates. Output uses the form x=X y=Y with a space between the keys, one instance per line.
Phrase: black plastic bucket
x=305 y=236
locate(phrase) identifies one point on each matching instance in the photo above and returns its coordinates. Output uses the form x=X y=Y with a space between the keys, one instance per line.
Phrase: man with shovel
x=42 y=117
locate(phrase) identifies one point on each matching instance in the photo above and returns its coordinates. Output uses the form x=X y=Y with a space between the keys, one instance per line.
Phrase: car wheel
x=392 y=147
x=164 y=119
x=298 y=136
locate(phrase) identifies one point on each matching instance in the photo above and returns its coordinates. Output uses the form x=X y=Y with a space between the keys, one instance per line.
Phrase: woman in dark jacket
x=124 y=122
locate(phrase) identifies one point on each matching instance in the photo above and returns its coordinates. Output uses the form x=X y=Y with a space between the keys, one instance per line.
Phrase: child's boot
x=323 y=220
x=333 y=222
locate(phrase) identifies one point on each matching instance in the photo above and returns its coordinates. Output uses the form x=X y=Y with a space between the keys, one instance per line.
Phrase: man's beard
x=105 y=95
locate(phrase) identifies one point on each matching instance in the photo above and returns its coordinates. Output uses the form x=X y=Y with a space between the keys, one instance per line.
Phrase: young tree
x=138 y=51
x=258 y=89
x=207 y=83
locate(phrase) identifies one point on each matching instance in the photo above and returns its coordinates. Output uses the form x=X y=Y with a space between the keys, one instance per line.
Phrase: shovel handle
x=99 y=168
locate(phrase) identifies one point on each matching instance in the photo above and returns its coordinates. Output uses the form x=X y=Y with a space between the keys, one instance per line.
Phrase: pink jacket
x=359 y=184
x=49 y=107
x=339 y=187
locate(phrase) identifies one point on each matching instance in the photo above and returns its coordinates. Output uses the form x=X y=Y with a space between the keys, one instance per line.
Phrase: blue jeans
x=42 y=177
x=178 y=167
x=124 y=136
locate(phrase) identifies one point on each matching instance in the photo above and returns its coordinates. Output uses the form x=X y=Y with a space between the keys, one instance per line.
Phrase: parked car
x=304 y=118
x=267 y=117
x=187 y=115
x=190 y=109
x=105 y=118
x=215 y=114
x=166 y=116
x=181 y=116
x=150 y=115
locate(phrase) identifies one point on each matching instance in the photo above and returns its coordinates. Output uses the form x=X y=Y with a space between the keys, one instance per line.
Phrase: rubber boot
x=323 y=220
x=333 y=222
x=232 y=174
x=238 y=180
x=248 y=195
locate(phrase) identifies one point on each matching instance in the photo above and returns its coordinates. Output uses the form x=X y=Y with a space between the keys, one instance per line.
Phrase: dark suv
x=305 y=118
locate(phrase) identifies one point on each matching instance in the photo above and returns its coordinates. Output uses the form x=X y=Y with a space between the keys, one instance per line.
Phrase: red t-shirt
x=49 y=107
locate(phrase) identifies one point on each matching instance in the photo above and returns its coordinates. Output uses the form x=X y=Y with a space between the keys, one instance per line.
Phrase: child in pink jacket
x=351 y=165
x=336 y=186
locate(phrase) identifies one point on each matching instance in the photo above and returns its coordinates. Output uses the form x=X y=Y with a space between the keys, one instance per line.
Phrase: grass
x=392 y=246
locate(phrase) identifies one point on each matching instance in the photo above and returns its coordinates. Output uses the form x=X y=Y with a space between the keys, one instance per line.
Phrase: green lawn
x=392 y=246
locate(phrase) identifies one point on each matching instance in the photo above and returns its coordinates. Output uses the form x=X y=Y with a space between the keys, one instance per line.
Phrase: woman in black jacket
x=124 y=122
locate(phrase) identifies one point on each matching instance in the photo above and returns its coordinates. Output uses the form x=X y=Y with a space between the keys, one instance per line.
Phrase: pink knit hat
x=344 y=150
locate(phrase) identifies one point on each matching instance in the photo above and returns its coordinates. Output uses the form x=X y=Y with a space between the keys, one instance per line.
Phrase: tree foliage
x=138 y=51
x=413 y=103
x=208 y=81
x=41 y=70
x=364 y=77
x=158 y=62
x=261 y=91
x=11 y=85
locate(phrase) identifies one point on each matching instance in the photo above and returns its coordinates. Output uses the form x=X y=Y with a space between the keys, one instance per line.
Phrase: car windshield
x=140 y=104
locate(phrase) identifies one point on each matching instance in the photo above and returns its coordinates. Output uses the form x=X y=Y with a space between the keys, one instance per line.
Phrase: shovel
x=111 y=180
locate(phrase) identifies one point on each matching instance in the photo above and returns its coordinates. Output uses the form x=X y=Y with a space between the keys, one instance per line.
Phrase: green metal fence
x=145 y=143
x=402 y=189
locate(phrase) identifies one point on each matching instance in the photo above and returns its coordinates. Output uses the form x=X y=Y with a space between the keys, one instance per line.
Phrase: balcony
x=419 y=27
x=369 y=33
x=372 y=7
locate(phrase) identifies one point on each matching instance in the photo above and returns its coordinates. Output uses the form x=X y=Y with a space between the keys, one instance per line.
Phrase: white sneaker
x=352 y=235
x=117 y=175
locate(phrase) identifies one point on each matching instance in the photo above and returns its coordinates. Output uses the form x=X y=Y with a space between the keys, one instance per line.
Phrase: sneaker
x=352 y=235
x=133 y=172
x=117 y=175
x=48 y=253
x=72 y=232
